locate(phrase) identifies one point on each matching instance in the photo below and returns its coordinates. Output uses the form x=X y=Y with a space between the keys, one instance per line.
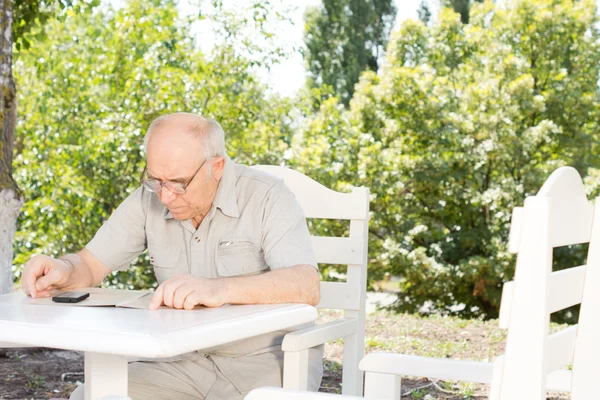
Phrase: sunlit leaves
x=462 y=124
x=86 y=98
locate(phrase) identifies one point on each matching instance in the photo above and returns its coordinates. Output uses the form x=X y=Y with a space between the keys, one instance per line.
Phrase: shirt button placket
x=196 y=252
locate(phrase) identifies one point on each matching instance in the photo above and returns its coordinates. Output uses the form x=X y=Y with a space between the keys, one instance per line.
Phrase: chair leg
x=497 y=378
x=352 y=377
x=382 y=386
x=295 y=370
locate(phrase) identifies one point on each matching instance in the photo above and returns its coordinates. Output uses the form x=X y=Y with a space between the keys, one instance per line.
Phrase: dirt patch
x=434 y=336
x=39 y=373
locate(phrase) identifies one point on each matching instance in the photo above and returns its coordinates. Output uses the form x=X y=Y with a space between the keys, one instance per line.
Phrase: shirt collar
x=226 y=198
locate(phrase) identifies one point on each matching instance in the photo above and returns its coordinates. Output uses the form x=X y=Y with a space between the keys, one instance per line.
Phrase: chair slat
x=587 y=352
x=561 y=347
x=523 y=372
x=337 y=295
x=566 y=290
x=559 y=380
x=516 y=224
x=570 y=215
x=570 y=220
x=508 y=290
x=318 y=201
x=335 y=250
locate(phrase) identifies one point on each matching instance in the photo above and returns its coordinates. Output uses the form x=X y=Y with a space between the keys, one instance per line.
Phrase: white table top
x=141 y=333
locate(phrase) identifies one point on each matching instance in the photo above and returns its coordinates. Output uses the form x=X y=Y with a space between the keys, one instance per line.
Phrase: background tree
x=462 y=124
x=424 y=12
x=343 y=38
x=10 y=203
x=17 y=20
x=87 y=96
x=462 y=7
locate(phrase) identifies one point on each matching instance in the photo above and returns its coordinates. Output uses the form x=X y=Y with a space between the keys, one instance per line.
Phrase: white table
x=109 y=336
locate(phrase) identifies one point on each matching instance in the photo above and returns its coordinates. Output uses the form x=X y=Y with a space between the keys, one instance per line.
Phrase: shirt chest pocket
x=166 y=261
x=239 y=257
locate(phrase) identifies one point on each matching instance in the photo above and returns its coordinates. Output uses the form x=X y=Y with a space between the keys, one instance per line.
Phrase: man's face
x=174 y=156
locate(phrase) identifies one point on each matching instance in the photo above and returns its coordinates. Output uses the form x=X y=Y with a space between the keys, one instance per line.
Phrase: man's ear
x=218 y=166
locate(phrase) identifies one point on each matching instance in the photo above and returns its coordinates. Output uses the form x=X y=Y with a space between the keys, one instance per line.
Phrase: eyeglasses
x=155 y=185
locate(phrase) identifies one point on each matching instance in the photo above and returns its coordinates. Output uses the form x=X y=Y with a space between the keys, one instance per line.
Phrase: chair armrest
x=271 y=393
x=318 y=334
x=559 y=380
x=453 y=370
x=438 y=368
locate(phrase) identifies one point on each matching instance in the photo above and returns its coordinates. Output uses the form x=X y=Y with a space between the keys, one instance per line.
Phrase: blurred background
x=450 y=111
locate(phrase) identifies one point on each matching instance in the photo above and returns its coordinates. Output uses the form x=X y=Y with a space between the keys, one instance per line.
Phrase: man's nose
x=166 y=196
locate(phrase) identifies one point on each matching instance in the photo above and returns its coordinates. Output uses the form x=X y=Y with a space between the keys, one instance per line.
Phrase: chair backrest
x=319 y=202
x=559 y=215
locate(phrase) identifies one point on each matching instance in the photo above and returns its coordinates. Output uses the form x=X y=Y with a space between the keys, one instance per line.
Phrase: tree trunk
x=9 y=210
x=10 y=201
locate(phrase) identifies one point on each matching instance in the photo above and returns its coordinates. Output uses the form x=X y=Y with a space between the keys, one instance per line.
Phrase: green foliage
x=462 y=124
x=344 y=38
x=88 y=94
x=251 y=27
x=30 y=16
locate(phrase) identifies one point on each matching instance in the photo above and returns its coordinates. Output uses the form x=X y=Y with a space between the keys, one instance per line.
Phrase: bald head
x=181 y=126
x=189 y=150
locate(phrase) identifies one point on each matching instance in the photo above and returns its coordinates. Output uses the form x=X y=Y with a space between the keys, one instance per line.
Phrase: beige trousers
x=198 y=377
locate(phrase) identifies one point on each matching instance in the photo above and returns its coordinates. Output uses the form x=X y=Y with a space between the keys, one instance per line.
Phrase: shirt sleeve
x=285 y=241
x=123 y=237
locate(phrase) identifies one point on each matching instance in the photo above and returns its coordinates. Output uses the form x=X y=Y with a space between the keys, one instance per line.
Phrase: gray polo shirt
x=255 y=225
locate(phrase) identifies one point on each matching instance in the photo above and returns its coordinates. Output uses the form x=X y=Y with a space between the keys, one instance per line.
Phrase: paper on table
x=100 y=297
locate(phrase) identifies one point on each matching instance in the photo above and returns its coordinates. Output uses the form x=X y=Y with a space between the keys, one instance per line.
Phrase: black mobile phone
x=70 y=297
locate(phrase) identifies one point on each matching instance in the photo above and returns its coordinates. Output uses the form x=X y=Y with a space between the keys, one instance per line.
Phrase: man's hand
x=42 y=274
x=186 y=291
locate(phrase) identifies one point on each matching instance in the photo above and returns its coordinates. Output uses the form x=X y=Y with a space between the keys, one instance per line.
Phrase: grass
x=431 y=336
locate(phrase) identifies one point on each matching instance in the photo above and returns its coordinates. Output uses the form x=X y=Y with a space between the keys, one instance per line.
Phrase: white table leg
x=105 y=375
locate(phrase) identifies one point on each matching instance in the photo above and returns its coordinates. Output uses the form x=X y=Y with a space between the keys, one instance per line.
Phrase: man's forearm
x=83 y=274
x=297 y=284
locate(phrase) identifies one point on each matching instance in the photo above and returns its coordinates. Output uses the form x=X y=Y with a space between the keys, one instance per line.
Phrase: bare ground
x=37 y=373
x=41 y=373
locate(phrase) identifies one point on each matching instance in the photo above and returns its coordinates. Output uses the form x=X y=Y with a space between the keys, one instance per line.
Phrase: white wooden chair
x=535 y=361
x=559 y=215
x=273 y=393
x=319 y=202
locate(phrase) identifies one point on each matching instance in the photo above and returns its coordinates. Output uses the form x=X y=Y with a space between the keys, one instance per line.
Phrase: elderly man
x=217 y=233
